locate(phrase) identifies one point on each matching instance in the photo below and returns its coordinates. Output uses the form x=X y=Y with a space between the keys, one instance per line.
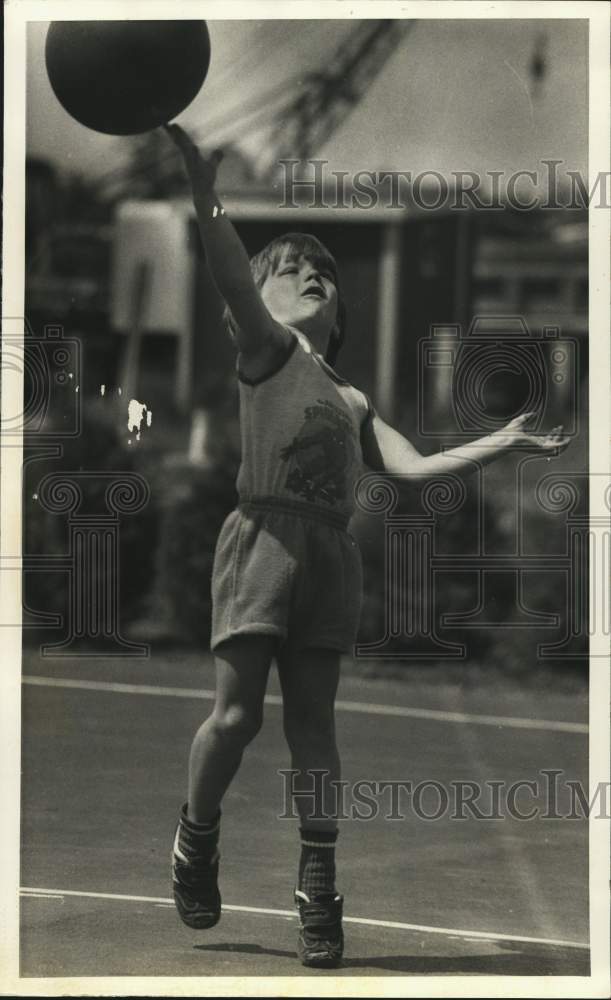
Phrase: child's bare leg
x=309 y=681
x=242 y=668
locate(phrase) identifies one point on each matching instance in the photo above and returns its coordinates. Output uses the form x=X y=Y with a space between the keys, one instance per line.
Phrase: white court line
x=398 y=711
x=264 y=911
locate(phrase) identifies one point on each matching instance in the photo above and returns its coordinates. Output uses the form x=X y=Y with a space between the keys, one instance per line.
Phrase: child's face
x=300 y=294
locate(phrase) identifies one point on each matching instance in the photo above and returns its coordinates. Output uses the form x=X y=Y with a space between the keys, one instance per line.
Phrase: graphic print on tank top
x=321 y=455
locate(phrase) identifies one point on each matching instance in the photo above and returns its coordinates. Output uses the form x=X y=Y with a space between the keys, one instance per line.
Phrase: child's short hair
x=268 y=260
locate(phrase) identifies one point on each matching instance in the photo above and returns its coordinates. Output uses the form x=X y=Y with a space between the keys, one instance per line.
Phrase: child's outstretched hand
x=200 y=168
x=548 y=444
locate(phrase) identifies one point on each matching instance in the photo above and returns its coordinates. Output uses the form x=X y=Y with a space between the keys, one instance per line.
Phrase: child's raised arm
x=258 y=335
x=385 y=450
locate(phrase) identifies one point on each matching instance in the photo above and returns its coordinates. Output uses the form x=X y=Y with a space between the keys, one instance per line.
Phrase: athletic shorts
x=285 y=569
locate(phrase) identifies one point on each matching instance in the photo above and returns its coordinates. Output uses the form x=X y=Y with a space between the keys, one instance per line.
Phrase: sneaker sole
x=321 y=963
x=319 y=959
x=192 y=915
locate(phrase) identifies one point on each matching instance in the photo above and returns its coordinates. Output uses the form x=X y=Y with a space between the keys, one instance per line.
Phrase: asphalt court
x=104 y=773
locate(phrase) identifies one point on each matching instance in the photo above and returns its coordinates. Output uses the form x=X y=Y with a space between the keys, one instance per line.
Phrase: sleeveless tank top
x=301 y=428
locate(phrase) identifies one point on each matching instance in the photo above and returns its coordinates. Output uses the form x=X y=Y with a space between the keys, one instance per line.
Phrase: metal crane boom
x=326 y=97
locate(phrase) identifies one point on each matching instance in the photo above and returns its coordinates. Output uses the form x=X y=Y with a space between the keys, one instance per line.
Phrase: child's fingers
x=191 y=152
x=177 y=138
x=557 y=447
x=560 y=438
x=181 y=138
x=174 y=131
x=522 y=419
x=555 y=441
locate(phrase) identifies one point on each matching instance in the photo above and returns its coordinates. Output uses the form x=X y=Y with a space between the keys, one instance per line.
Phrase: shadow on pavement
x=533 y=962
x=516 y=961
x=246 y=949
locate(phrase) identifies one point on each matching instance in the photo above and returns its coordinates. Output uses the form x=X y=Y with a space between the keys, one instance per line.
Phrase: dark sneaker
x=321 y=939
x=195 y=881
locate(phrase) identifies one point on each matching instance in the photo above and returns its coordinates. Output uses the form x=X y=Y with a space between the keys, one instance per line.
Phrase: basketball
x=126 y=77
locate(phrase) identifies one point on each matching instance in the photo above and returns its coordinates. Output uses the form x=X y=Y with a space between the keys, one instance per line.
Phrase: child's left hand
x=548 y=444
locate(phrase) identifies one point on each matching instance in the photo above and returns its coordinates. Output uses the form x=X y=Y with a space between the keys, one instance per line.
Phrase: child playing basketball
x=287 y=574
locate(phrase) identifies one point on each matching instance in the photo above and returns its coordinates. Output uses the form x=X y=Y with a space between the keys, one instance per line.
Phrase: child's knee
x=236 y=724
